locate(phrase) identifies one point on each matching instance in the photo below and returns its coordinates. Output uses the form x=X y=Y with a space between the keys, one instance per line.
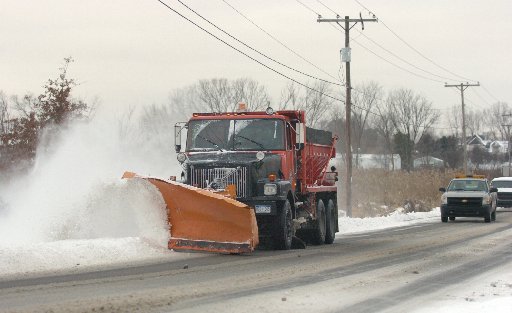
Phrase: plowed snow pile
x=73 y=207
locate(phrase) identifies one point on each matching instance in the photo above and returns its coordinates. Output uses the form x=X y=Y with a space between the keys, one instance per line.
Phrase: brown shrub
x=378 y=192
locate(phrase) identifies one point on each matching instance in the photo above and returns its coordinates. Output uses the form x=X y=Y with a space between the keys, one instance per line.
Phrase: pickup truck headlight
x=486 y=200
x=270 y=189
x=444 y=199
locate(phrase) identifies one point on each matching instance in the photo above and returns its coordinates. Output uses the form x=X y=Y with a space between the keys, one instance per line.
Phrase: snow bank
x=119 y=225
x=74 y=198
x=349 y=225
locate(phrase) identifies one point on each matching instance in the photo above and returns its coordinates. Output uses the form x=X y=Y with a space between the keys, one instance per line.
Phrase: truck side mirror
x=494 y=189
x=178 y=127
x=300 y=138
x=442 y=189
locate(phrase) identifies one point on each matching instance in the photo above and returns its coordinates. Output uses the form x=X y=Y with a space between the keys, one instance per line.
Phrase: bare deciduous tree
x=455 y=121
x=386 y=128
x=183 y=102
x=251 y=92
x=314 y=101
x=474 y=122
x=221 y=95
x=364 y=100
x=4 y=113
x=412 y=116
x=495 y=118
x=290 y=97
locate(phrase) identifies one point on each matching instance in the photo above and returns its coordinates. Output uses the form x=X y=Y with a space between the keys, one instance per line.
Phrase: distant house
x=428 y=162
x=498 y=146
x=476 y=140
x=368 y=161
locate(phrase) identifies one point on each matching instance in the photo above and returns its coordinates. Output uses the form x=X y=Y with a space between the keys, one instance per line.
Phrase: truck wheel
x=331 y=220
x=452 y=218
x=284 y=233
x=320 y=224
x=444 y=219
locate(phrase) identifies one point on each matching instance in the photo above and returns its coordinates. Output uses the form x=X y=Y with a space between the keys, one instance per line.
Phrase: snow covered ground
x=71 y=216
x=91 y=251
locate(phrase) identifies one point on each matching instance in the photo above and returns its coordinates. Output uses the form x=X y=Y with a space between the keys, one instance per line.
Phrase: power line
x=402 y=59
x=277 y=40
x=264 y=65
x=255 y=50
x=489 y=93
x=246 y=55
x=412 y=48
x=392 y=53
x=387 y=50
x=317 y=14
x=358 y=91
x=479 y=96
x=327 y=7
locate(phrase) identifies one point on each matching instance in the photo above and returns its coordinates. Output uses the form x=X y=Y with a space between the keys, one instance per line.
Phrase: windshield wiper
x=213 y=143
x=253 y=141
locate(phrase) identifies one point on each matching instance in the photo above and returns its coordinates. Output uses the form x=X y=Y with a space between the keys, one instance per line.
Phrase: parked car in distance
x=468 y=196
x=504 y=196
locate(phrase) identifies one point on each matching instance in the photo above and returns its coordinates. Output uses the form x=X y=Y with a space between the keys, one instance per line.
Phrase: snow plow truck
x=251 y=178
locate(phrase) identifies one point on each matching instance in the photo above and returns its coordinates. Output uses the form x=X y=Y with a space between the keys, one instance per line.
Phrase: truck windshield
x=502 y=183
x=247 y=134
x=467 y=185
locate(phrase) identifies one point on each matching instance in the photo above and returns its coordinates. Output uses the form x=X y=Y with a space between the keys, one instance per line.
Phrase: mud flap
x=205 y=221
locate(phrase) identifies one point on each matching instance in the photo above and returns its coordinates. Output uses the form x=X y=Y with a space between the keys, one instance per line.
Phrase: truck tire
x=320 y=224
x=331 y=220
x=284 y=232
x=444 y=219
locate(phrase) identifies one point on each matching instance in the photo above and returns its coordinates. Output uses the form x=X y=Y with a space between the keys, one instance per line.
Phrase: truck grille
x=222 y=176
x=505 y=195
x=465 y=202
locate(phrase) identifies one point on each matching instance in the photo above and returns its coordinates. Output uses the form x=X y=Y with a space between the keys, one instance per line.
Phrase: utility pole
x=348 y=93
x=508 y=138
x=463 y=87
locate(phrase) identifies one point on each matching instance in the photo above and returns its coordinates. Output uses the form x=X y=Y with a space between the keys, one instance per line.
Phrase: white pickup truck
x=504 y=185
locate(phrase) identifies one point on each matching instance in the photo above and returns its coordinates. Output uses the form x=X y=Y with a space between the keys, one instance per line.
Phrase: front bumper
x=460 y=211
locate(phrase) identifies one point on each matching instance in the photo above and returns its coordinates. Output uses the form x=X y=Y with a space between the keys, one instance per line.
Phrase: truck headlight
x=486 y=200
x=182 y=157
x=444 y=199
x=270 y=189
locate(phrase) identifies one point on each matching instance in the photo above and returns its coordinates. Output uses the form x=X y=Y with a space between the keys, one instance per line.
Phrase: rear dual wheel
x=331 y=220
x=320 y=224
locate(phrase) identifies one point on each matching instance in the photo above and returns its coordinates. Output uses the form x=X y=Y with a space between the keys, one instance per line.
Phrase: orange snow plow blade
x=205 y=221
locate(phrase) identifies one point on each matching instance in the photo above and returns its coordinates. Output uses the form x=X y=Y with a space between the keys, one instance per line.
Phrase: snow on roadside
x=77 y=254
x=349 y=225
x=489 y=292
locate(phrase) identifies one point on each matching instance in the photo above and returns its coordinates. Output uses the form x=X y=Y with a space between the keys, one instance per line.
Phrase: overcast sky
x=135 y=52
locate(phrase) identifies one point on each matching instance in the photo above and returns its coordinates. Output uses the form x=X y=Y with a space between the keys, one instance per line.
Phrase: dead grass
x=378 y=192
